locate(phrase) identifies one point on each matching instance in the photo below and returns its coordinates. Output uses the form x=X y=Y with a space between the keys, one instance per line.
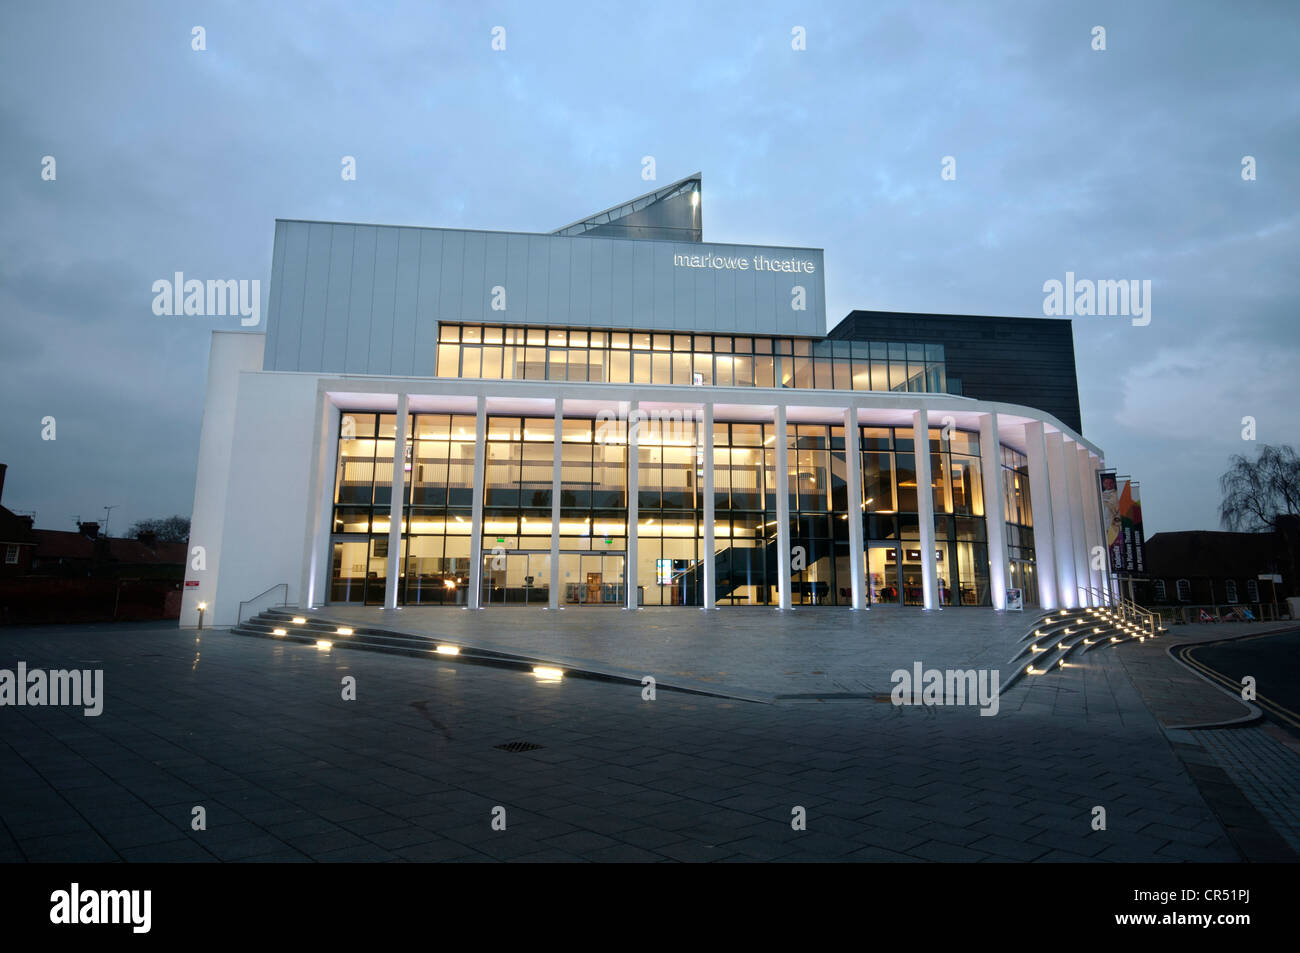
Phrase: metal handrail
x=239 y=618
x=1154 y=621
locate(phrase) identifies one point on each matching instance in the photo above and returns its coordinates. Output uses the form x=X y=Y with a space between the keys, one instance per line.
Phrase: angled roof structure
x=672 y=213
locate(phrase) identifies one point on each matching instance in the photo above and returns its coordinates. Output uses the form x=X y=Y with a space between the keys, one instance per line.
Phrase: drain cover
x=518 y=746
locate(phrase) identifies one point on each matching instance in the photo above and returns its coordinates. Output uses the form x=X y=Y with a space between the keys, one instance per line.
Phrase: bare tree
x=1256 y=493
x=173 y=529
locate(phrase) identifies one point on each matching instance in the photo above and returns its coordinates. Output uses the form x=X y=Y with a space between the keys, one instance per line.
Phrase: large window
x=362 y=496
x=1019 y=515
x=891 y=516
x=670 y=481
x=723 y=360
x=438 y=480
x=440 y=472
x=744 y=460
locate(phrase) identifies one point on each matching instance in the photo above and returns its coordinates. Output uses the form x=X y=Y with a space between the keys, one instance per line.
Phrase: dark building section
x=1028 y=361
x=1221 y=573
x=17 y=544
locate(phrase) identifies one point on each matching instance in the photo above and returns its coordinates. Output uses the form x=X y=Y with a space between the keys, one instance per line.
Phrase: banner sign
x=1121 y=509
x=1135 y=544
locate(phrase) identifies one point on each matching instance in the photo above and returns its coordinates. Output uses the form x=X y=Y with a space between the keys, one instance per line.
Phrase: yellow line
x=1237 y=686
x=1278 y=711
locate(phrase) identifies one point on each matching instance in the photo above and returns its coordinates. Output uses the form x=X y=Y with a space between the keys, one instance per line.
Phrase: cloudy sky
x=1117 y=164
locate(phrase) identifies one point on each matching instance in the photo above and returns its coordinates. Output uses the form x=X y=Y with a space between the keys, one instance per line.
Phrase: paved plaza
x=753 y=653
x=257 y=733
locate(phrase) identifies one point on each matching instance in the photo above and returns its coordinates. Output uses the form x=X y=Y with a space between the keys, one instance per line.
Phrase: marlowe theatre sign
x=743 y=263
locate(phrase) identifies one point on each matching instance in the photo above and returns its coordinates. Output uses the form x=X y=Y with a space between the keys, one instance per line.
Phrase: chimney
x=3 y=468
x=89 y=530
x=149 y=538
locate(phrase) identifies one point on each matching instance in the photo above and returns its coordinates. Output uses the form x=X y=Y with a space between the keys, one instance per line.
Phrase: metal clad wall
x=315 y=292
x=366 y=299
x=274 y=292
x=335 y=337
x=406 y=313
x=362 y=299
x=423 y=361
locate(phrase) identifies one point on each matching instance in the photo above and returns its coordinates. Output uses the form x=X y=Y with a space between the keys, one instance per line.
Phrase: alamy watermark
x=83 y=688
x=215 y=297
x=77 y=906
x=933 y=687
x=1083 y=296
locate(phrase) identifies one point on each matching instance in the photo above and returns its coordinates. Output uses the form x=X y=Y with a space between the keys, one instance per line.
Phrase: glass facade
x=592 y=531
x=496 y=352
x=1019 y=515
x=891 y=520
x=439 y=481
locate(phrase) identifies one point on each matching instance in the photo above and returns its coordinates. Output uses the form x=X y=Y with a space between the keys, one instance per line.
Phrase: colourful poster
x=1111 y=519
x=1134 y=542
x=1121 y=508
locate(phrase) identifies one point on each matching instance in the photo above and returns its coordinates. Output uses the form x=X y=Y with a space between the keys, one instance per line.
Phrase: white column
x=556 y=472
x=1091 y=500
x=925 y=507
x=633 y=514
x=995 y=516
x=854 y=507
x=476 y=515
x=1062 y=525
x=1078 y=531
x=708 y=557
x=782 y=477
x=395 y=505
x=1040 y=501
x=320 y=519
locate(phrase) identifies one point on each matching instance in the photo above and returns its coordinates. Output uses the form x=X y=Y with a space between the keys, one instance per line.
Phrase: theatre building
x=620 y=414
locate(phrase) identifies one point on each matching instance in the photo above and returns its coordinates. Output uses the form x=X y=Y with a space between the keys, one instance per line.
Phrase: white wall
x=266 y=501
x=230 y=353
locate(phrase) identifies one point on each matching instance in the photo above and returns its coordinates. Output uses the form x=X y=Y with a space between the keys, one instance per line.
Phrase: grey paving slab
x=257 y=731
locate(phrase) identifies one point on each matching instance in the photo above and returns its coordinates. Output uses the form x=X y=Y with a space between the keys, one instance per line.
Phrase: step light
x=545 y=673
x=447 y=650
x=343 y=630
x=324 y=645
x=279 y=632
x=299 y=620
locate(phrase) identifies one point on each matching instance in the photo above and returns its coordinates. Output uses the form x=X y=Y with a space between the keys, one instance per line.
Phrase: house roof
x=59 y=544
x=1214 y=554
x=14 y=528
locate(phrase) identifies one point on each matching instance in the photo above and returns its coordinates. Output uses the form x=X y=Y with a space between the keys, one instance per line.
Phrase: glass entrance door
x=592 y=579
x=516 y=578
x=883 y=585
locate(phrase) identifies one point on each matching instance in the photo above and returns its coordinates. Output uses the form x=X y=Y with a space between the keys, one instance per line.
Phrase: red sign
x=191 y=584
